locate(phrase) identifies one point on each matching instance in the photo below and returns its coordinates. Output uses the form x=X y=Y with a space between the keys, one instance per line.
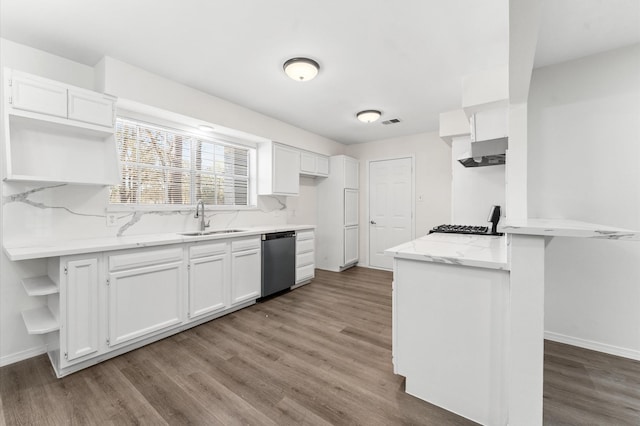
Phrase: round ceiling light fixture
x=368 y=116
x=301 y=69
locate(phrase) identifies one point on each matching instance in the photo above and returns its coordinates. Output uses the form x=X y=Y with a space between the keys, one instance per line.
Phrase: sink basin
x=218 y=232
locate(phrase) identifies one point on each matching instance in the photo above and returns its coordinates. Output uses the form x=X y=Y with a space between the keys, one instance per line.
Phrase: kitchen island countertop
x=482 y=251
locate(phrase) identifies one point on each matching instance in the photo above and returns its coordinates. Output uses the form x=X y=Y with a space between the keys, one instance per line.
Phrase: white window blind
x=170 y=167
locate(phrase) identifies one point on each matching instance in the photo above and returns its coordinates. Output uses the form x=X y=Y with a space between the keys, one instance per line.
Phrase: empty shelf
x=39 y=286
x=40 y=321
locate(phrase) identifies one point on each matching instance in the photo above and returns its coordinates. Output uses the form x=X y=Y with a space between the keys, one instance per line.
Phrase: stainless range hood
x=489 y=140
x=485 y=153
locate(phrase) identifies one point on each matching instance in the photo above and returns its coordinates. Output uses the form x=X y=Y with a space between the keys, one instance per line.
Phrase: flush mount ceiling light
x=301 y=69
x=368 y=116
x=205 y=128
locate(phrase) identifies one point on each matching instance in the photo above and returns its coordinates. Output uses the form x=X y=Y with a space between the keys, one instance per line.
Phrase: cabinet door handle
x=372 y=222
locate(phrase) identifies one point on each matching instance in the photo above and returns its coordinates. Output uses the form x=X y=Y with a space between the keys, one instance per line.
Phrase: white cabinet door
x=32 y=93
x=351 y=173
x=286 y=170
x=350 y=207
x=350 y=245
x=144 y=300
x=246 y=276
x=90 y=107
x=208 y=283
x=80 y=316
x=322 y=165
x=312 y=164
x=308 y=163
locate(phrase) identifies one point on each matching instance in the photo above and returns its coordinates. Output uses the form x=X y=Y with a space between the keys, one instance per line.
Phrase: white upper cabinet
x=90 y=107
x=58 y=133
x=351 y=173
x=489 y=124
x=312 y=164
x=308 y=163
x=52 y=98
x=36 y=94
x=278 y=169
x=323 y=165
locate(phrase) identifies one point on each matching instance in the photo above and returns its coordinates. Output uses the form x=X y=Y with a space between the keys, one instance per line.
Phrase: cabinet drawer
x=205 y=250
x=245 y=244
x=305 y=273
x=305 y=246
x=144 y=258
x=305 y=259
x=304 y=235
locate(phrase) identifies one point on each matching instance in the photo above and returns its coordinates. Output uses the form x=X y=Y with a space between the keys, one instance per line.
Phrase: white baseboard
x=22 y=355
x=594 y=346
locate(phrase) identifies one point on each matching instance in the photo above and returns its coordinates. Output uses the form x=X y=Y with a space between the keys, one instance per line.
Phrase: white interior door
x=390 y=208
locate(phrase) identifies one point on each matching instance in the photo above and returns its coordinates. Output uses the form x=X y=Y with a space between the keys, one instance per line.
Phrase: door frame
x=368 y=204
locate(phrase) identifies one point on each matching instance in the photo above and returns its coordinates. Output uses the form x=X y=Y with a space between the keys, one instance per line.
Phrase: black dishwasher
x=278 y=261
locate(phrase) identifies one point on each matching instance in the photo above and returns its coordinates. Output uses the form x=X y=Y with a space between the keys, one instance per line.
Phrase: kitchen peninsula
x=468 y=316
x=450 y=300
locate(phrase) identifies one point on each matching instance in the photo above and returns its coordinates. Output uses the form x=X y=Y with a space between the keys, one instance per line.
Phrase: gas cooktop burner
x=461 y=229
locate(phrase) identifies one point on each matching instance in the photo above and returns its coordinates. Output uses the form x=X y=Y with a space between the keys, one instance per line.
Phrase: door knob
x=372 y=222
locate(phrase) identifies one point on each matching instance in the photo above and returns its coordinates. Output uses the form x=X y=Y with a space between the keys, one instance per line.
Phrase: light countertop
x=480 y=251
x=22 y=250
x=566 y=228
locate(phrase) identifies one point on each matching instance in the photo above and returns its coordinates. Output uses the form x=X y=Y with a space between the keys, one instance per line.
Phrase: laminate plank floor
x=318 y=355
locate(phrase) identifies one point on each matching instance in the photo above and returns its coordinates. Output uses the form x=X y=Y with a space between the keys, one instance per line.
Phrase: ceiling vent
x=392 y=121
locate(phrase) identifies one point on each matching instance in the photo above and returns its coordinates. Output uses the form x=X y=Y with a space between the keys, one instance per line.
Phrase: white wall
x=584 y=164
x=74 y=211
x=432 y=180
x=474 y=189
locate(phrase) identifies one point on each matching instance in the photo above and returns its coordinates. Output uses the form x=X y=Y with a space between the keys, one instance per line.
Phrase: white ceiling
x=405 y=57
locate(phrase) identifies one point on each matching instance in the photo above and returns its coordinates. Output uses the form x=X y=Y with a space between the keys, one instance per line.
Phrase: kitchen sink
x=203 y=233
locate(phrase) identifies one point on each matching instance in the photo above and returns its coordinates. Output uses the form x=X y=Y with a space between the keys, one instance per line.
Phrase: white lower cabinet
x=145 y=293
x=209 y=278
x=100 y=305
x=351 y=242
x=79 y=328
x=246 y=271
x=305 y=256
x=71 y=319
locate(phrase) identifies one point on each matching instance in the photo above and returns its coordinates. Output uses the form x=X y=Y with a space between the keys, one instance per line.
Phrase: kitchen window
x=161 y=166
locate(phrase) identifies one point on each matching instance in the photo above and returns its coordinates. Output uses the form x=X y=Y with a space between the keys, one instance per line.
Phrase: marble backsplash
x=64 y=211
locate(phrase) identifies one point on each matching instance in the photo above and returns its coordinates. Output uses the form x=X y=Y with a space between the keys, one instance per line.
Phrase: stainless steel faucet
x=201 y=216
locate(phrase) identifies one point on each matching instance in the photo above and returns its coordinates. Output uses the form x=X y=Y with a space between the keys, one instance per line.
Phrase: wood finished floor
x=318 y=355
